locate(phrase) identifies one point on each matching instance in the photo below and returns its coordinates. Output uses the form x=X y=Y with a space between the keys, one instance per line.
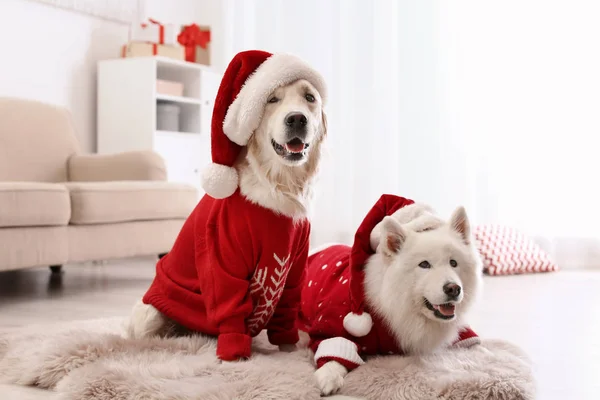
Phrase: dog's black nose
x=296 y=120
x=452 y=290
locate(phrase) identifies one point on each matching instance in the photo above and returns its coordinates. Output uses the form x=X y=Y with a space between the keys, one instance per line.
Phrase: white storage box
x=167 y=117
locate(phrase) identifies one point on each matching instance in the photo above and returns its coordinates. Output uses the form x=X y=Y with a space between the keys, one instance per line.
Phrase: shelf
x=175 y=133
x=166 y=62
x=162 y=63
x=178 y=99
x=134 y=108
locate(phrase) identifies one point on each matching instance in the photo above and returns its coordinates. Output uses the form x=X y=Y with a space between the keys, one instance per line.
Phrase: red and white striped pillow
x=506 y=251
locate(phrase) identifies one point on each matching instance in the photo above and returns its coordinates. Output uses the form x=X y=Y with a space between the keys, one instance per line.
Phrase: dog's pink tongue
x=294 y=147
x=446 y=309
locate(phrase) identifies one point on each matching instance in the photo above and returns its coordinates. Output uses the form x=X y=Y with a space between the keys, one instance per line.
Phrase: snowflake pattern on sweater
x=267 y=286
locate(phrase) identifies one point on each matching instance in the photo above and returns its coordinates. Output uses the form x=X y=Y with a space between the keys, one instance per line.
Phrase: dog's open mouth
x=294 y=149
x=441 y=311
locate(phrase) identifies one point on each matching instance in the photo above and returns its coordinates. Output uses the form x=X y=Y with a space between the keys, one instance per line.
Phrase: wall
x=173 y=11
x=50 y=54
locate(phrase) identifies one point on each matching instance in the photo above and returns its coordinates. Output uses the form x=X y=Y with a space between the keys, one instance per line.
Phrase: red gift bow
x=161 y=30
x=192 y=36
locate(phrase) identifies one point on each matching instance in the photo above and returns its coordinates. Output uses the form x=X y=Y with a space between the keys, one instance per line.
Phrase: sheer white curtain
x=384 y=114
x=492 y=105
x=525 y=82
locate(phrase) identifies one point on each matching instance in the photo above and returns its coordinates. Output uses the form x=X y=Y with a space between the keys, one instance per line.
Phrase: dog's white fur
x=395 y=285
x=330 y=377
x=266 y=178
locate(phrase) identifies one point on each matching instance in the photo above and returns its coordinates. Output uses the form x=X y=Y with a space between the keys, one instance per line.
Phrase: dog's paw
x=330 y=377
x=287 y=348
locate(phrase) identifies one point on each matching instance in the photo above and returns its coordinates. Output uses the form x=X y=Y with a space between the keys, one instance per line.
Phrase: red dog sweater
x=327 y=299
x=235 y=269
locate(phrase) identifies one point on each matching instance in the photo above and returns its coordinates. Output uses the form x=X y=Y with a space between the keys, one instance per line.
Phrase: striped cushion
x=506 y=251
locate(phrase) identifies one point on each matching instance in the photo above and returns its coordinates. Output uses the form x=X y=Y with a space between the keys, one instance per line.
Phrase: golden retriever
x=276 y=171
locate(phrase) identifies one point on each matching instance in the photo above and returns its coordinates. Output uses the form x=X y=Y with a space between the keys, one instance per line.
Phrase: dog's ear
x=393 y=236
x=459 y=222
x=323 y=124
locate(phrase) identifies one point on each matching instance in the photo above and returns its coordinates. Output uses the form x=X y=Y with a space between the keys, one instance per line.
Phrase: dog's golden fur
x=268 y=179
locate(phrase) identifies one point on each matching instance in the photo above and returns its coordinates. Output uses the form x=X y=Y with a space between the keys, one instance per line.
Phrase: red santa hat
x=358 y=322
x=249 y=80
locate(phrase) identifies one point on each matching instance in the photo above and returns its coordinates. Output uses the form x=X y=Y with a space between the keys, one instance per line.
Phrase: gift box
x=155 y=32
x=196 y=41
x=140 y=49
x=169 y=87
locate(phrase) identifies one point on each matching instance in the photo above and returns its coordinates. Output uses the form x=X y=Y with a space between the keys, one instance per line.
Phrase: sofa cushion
x=36 y=141
x=123 y=201
x=33 y=204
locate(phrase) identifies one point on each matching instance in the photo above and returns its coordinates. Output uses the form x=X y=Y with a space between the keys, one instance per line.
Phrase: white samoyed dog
x=420 y=283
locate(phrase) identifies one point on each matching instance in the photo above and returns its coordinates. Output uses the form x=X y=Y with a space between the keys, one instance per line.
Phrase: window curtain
x=490 y=105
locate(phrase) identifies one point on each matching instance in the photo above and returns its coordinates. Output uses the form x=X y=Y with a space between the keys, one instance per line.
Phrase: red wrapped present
x=196 y=41
x=154 y=32
x=140 y=49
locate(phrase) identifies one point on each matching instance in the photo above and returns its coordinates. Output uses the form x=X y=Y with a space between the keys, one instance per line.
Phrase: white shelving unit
x=127 y=112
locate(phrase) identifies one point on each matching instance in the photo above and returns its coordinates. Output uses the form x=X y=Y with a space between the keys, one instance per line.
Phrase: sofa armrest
x=126 y=166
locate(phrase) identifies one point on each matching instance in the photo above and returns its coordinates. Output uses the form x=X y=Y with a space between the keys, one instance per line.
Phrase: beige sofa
x=59 y=206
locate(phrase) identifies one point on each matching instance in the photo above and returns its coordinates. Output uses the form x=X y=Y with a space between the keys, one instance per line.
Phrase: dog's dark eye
x=424 y=264
x=453 y=263
x=310 y=98
x=273 y=99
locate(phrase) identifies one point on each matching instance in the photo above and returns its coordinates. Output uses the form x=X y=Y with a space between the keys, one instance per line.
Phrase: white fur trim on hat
x=358 y=325
x=219 y=181
x=417 y=217
x=244 y=114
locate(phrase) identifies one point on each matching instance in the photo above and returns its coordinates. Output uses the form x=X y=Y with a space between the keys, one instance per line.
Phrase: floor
x=554 y=317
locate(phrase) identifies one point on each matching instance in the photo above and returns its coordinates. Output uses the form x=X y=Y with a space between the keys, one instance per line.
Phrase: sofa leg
x=56 y=269
x=161 y=255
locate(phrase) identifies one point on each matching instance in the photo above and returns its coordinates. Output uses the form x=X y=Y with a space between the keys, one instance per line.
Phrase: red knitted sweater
x=235 y=269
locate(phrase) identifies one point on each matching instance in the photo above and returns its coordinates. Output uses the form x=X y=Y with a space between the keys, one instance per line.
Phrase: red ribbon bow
x=192 y=36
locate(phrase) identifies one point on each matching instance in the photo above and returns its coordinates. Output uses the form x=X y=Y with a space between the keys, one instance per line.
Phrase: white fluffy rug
x=90 y=360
